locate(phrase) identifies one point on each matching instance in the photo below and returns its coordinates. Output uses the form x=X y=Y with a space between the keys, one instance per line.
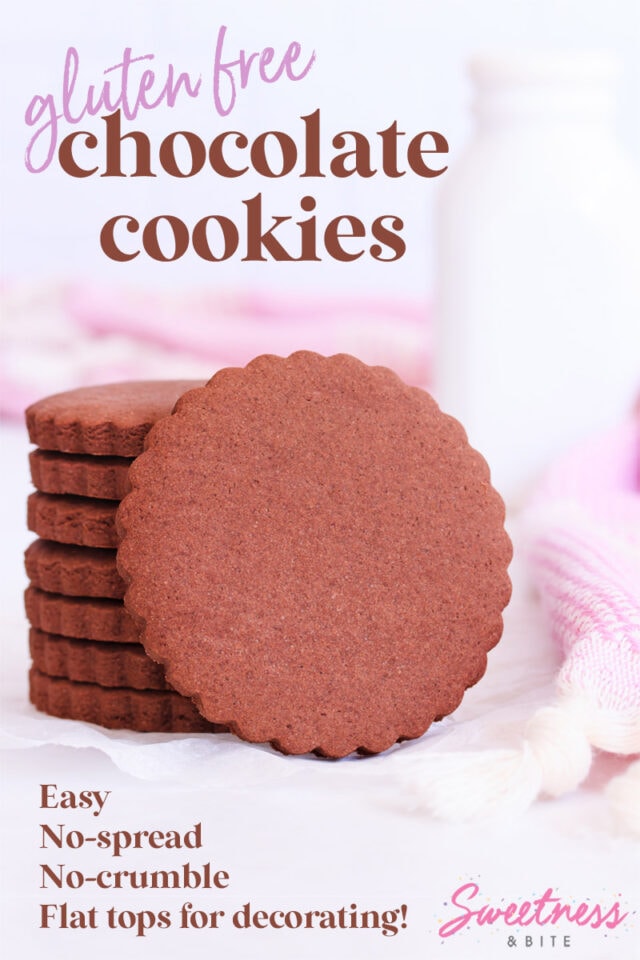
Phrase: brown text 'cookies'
x=316 y=554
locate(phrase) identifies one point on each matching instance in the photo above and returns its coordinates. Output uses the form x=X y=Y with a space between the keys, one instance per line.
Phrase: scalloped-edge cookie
x=107 y=420
x=118 y=708
x=73 y=571
x=87 y=618
x=95 y=661
x=316 y=554
x=79 y=474
x=70 y=519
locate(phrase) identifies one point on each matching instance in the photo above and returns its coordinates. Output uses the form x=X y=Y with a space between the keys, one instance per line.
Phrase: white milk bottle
x=537 y=338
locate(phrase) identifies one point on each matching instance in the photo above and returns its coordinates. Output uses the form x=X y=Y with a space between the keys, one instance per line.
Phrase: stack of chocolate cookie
x=87 y=661
x=310 y=547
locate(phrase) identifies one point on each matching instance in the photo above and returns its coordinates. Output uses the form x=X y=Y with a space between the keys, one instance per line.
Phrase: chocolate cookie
x=91 y=661
x=110 y=420
x=90 y=618
x=118 y=708
x=80 y=474
x=73 y=571
x=68 y=519
x=315 y=554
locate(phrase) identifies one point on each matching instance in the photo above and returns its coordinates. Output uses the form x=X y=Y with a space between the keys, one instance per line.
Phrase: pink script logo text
x=540 y=912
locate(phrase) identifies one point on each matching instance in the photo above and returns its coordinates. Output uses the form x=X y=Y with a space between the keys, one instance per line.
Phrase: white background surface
x=293 y=833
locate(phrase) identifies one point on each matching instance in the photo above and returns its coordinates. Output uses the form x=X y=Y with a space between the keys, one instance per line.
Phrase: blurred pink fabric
x=585 y=556
x=59 y=337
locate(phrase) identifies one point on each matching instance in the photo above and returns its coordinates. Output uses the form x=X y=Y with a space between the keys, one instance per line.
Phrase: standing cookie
x=315 y=554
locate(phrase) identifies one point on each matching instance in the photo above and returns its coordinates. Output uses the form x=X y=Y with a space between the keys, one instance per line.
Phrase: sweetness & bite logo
x=544 y=921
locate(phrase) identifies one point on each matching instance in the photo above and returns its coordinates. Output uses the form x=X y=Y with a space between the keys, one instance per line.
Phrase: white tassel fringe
x=554 y=759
